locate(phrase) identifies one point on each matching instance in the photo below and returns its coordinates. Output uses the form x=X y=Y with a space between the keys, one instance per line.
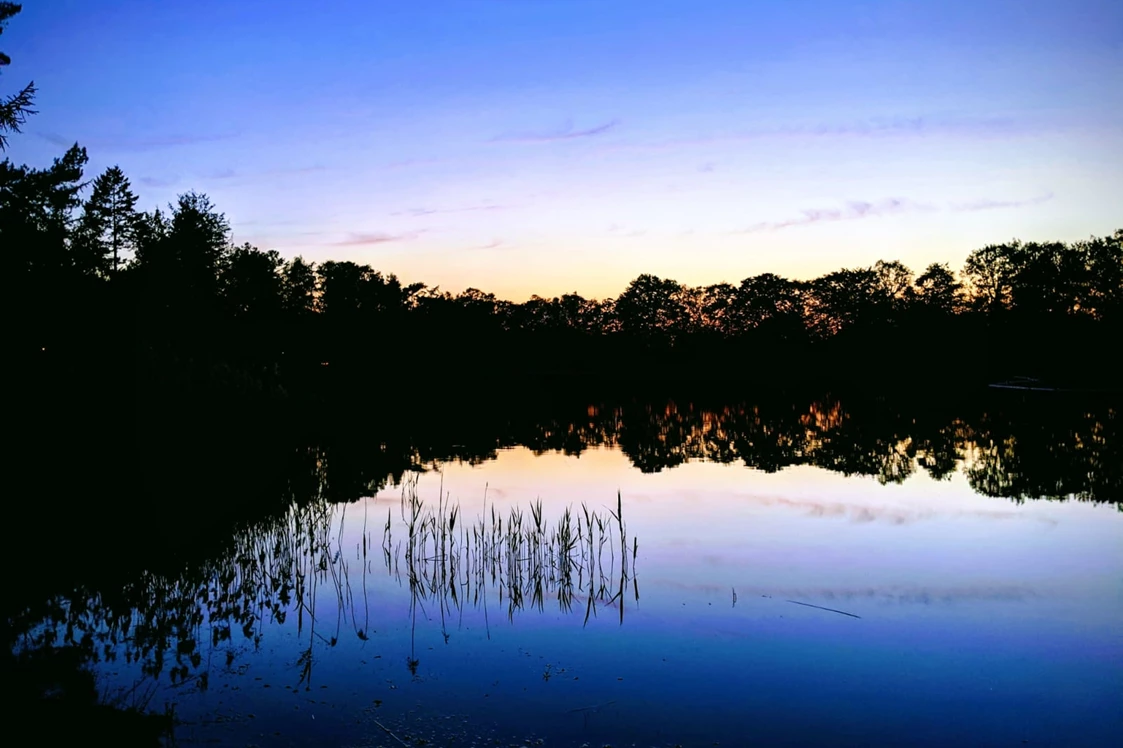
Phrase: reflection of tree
x=1077 y=457
x=1005 y=449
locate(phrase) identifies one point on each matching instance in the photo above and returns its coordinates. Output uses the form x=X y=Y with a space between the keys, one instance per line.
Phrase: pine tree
x=14 y=110
x=108 y=226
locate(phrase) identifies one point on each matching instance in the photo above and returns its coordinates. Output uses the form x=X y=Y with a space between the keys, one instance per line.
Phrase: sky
x=550 y=146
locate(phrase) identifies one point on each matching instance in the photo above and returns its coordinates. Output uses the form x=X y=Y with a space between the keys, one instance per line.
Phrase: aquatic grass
x=293 y=568
x=522 y=556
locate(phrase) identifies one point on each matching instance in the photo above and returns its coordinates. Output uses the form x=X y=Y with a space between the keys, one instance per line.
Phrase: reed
x=519 y=556
x=293 y=567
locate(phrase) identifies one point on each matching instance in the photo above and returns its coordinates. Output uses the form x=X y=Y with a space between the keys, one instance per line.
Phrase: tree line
x=92 y=279
x=87 y=260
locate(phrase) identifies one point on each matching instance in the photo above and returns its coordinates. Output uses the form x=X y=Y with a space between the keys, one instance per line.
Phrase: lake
x=808 y=572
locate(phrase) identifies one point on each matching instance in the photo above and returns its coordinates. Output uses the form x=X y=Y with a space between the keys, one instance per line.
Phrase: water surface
x=725 y=604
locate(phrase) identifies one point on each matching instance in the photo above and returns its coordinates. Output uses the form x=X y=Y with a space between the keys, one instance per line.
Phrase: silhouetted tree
x=718 y=303
x=181 y=256
x=843 y=299
x=108 y=225
x=36 y=213
x=769 y=304
x=990 y=272
x=14 y=109
x=651 y=306
x=252 y=283
x=298 y=290
x=1102 y=295
x=895 y=284
x=938 y=290
x=341 y=288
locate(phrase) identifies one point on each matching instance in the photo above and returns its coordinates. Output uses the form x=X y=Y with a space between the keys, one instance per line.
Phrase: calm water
x=732 y=605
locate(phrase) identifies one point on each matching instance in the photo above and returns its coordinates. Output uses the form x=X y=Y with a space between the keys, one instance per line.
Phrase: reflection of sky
x=981 y=621
x=564 y=145
x=707 y=528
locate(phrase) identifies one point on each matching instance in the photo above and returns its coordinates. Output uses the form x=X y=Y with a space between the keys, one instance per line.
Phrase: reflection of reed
x=204 y=618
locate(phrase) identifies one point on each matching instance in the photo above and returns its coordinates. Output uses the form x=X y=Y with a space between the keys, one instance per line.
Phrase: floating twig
x=386 y=730
x=820 y=607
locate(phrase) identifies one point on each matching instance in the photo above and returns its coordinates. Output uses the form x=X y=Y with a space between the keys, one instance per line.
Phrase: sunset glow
x=550 y=147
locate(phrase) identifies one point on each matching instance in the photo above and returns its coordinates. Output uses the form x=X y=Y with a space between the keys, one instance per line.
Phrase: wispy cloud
x=852 y=211
x=410 y=163
x=858 y=209
x=493 y=244
x=359 y=239
x=134 y=144
x=230 y=174
x=883 y=127
x=989 y=204
x=618 y=230
x=566 y=133
x=56 y=139
x=158 y=181
x=418 y=212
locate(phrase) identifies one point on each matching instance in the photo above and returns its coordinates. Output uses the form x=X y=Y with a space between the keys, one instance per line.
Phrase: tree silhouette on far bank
x=172 y=287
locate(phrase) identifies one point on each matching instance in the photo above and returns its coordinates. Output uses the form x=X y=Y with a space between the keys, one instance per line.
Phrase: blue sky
x=546 y=146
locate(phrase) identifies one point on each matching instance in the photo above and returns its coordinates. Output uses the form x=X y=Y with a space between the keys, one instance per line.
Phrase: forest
x=96 y=278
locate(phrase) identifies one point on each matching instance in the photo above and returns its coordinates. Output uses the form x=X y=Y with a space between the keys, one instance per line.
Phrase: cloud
x=879 y=127
x=566 y=133
x=853 y=210
x=707 y=167
x=989 y=204
x=124 y=143
x=414 y=162
x=376 y=237
x=618 y=230
x=491 y=245
x=158 y=181
x=418 y=212
x=224 y=174
x=858 y=209
x=56 y=139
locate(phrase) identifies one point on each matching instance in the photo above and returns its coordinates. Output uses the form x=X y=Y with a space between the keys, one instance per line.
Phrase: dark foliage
x=169 y=288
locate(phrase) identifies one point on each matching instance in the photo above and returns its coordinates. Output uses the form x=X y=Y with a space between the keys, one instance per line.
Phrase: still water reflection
x=657 y=576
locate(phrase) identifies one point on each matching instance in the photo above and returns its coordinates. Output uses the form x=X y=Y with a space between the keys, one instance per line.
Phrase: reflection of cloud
x=890 y=515
x=854 y=210
x=989 y=204
x=883 y=594
x=566 y=133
